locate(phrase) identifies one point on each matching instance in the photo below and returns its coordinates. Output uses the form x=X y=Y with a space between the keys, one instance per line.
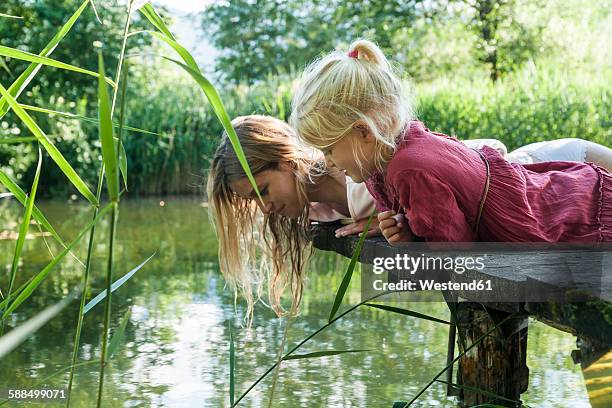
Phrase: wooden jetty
x=498 y=364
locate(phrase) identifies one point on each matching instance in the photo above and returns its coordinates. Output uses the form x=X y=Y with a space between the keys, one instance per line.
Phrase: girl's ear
x=364 y=130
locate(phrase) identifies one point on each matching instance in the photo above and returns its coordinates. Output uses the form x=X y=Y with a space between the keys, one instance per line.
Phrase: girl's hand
x=357 y=228
x=394 y=227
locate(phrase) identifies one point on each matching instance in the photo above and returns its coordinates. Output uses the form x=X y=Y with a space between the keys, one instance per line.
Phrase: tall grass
x=114 y=161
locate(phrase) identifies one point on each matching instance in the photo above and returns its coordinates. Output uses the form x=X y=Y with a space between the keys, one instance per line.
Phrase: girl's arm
x=431 y=208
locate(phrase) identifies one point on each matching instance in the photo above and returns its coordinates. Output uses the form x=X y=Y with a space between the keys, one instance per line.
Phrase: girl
x=354 y=108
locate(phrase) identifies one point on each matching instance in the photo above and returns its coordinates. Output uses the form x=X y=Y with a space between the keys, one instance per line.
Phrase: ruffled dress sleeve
x=431 y=208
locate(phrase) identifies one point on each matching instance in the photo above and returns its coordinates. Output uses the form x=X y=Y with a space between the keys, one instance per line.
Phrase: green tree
x=258 y=38
x=59 y=89
x=504 y=42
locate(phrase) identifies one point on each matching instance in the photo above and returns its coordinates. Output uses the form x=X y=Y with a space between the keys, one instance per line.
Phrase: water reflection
x=175 y=351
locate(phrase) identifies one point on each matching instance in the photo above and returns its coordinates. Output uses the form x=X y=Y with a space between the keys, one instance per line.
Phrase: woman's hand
x=394 y=227
x=357 y=228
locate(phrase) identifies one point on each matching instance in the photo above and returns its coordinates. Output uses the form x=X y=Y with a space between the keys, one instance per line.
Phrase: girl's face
x=278 y=190
x=343 y=153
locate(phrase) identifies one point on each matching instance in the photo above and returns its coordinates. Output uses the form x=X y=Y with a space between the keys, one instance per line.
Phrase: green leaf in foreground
x=118 y=335
x=84 y=119
x=26 y=56
x=149 y=12
x=25 y=330
x=27 y=291
x=209 y=90
x=323 y=353
x=53 y=151
x=109 y=155
x=474 y=344
x=14 y=140
x=215 y=101
x=116 y=285
x=182 y=51
x=25 y=223
x=36 y=213
x=407 y=312
x=349 y=271
x=9 y=16
x=484 y=392
x=26 y=76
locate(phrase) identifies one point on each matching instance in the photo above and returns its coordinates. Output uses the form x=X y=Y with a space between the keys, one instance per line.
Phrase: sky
x=188 y=30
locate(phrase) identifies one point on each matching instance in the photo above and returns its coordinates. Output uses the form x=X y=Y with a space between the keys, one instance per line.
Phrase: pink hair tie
x=353 y=54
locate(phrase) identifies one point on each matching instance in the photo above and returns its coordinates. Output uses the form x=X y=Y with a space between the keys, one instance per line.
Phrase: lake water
x=175 y=352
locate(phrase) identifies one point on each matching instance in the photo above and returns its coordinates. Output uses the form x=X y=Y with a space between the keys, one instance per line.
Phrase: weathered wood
x=498 y=364
x=513 y=275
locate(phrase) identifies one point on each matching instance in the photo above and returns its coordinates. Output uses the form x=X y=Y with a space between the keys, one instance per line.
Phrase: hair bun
x=367 y=50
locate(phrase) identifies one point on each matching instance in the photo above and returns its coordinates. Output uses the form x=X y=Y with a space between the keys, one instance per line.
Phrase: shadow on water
x=175 y=350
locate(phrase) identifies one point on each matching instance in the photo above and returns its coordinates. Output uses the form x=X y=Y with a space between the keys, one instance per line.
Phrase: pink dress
x=438 y=182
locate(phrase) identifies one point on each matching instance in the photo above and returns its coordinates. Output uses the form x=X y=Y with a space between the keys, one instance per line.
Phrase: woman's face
x=278 y=190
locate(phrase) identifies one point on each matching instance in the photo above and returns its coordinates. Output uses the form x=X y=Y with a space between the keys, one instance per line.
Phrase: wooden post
x=498 y=364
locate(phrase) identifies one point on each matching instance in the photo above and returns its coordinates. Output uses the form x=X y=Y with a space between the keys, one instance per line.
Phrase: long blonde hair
x=338 y=90
x=256 y=249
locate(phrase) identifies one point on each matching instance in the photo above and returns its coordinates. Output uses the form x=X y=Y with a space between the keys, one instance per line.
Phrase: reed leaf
x=118 y=336
x=477 y=342
x=180 y=50
x=5 y=67
x=149 y=12
x=209 y=90
x=26 y=56
x=407 y=313
x=109 y=156
x=27 y=291
x=55 y=154
x=323 y=353
x=18 y=335
x=305 y=340
x=84 y=119
x=116 y=285
x=9 y=16
x=215 y=101
x=25 y=223
x=121 y=154
x=15 y=140
x=26 y=76
x=5 y=301
x=349 y=271
x=36 y=213
x=93 y=6
x=484 y=392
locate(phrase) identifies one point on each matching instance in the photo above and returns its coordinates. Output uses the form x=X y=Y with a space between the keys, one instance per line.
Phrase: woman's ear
x=288 y=165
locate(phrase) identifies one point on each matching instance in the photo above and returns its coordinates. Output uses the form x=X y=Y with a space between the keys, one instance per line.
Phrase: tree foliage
x=258 y=38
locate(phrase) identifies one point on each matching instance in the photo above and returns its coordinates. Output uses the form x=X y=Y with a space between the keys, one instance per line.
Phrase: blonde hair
x=338 y=90
x=255 y=249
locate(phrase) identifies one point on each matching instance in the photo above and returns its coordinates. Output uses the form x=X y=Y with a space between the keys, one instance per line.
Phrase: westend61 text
x=406 y=285
x=411 y=264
